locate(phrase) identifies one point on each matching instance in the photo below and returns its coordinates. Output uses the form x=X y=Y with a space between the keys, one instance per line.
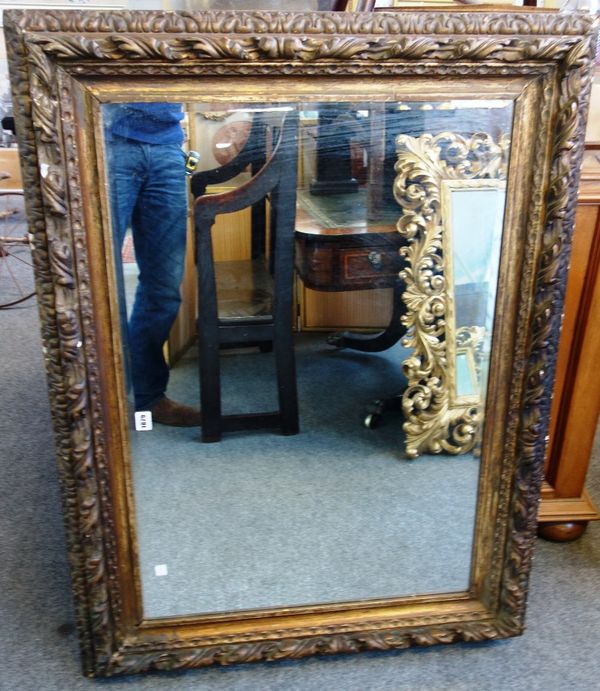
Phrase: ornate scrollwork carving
x=44 y=172
x=246 y=36
x=294 y=23
x=303 y=48
x=550 y=285
x=296 y=648
x=432 y=423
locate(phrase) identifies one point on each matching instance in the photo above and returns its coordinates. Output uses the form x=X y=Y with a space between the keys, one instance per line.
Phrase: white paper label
x=161 y=570
x=143 y=420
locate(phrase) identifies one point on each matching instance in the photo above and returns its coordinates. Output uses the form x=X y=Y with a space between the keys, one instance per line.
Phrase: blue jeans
x=148 y=193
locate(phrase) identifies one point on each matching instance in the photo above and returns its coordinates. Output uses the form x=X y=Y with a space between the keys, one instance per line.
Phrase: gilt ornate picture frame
x=66 y=65
x=428 y=169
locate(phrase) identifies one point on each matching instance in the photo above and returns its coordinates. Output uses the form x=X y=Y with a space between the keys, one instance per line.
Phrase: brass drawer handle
x=376 y=260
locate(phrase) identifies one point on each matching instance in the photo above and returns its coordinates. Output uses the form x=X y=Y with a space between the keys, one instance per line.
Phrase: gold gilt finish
x=433 y=424
x=57 y=59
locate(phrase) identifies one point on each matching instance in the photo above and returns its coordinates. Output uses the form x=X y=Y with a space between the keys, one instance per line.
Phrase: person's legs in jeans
x=159 y=223
x=148 y=194
x=125 y=161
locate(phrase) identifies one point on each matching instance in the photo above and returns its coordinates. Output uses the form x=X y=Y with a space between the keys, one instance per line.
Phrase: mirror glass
x=258 y=259
x=473 y=232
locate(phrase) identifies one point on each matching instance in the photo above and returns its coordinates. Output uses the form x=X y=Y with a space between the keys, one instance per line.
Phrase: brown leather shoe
x=168 y=412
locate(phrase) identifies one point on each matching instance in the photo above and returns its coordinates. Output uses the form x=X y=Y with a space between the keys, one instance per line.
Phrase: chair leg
x=210 y=391
x=285 y=364
x=208 y=334
x=283 y=343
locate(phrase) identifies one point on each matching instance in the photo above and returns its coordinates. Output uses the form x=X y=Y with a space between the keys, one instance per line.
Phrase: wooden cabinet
x=566 y=506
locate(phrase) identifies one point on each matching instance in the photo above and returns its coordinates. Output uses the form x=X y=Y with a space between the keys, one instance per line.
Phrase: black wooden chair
x=277 y=178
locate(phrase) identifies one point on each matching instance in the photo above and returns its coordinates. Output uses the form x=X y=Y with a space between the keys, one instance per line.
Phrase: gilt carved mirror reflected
x=302 y=275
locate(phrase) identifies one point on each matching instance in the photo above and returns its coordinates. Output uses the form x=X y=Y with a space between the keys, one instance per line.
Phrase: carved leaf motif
x=249 y=43
x=340 y=48
x=70 y=46
x=146 y=47
x=223 y=48
x=580 y=54
x=43 y=115
x=40 y=65
x=310 y=23
x=276 y=47
x=68 y=330
x=61 y=263
x=296 y=648
x=54 y=192
x=43 y=108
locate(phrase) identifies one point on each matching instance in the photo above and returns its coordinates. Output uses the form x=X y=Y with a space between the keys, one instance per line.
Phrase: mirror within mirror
x=475 y=212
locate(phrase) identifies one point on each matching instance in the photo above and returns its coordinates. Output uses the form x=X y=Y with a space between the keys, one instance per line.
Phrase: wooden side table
x=566 y=506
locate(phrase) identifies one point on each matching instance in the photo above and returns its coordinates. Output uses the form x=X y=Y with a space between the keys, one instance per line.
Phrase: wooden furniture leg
x=374 y=343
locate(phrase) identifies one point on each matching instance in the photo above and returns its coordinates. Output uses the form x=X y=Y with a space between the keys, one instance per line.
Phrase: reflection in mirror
x=451 y=190
x=473 y=211
x=279 y=252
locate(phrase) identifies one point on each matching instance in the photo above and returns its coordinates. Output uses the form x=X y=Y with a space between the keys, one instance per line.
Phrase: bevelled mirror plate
x=344 y=238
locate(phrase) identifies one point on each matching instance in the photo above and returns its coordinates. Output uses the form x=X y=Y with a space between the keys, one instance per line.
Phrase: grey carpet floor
x=334 y=513
x=39 y=649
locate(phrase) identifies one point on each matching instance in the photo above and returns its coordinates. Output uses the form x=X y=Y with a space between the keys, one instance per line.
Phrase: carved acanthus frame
x=54 y=56
x=435 y=422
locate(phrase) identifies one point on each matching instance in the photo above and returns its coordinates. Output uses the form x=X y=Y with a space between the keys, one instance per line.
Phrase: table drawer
x=348 y=262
